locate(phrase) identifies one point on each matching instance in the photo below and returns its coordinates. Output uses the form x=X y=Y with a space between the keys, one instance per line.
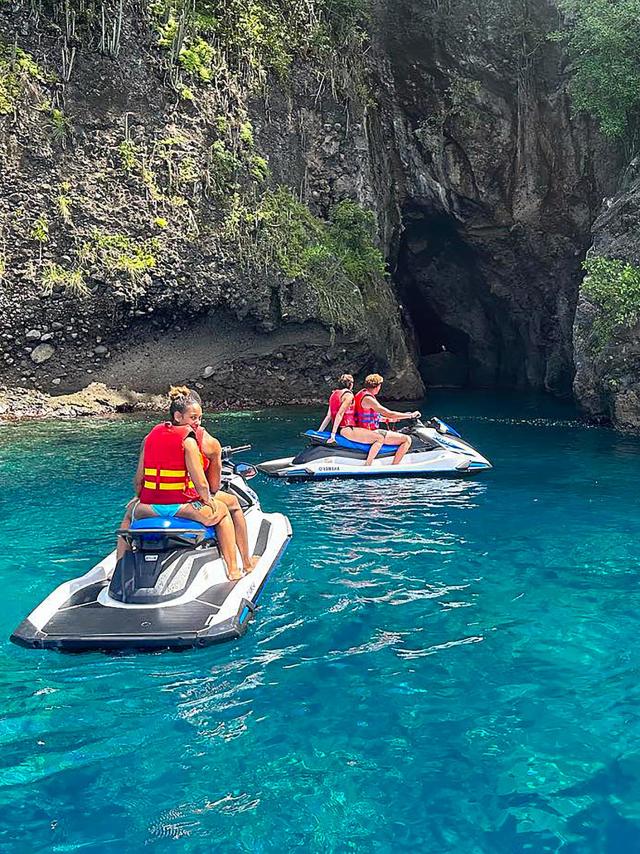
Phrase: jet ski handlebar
x=227 y=450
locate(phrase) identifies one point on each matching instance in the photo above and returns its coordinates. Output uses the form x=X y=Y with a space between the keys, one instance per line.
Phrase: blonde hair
x=181 y=398
x=345 y=381
x=373 y=380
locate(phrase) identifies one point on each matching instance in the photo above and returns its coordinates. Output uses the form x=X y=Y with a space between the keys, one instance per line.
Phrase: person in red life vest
x=340 y=412
x=170 y=479
x=369 y=413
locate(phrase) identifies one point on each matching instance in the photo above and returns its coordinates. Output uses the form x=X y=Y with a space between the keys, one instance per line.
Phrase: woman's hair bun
x=177 y=391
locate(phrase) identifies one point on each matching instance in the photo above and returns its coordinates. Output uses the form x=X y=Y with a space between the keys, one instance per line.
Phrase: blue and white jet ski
x=170 y=591
x=436 y=449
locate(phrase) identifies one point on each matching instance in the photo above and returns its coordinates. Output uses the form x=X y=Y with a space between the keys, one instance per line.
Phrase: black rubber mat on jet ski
x=263 y=538
x=83 y=623
x=217 y=594
x=93 y=620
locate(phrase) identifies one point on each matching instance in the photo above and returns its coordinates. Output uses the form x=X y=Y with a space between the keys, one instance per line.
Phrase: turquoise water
x=441 y=666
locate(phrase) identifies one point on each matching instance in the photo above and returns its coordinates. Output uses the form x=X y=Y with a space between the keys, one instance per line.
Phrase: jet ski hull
x=432 y=454
x=80 y=615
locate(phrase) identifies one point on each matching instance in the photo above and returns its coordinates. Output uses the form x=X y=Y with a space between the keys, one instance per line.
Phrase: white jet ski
x=170 y=591
x=436 y=449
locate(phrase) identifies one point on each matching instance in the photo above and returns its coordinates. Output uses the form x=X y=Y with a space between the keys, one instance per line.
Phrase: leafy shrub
x=336 y=258
x=258 y=168
x=64 y=202
x=17 y=68
x=60 y=127
x=603 y=38
x=40 y=229
x=614 y=287
x=198 y=59
x=257 y=35
x=71 y=280
x=129 y=155
x=119 y=253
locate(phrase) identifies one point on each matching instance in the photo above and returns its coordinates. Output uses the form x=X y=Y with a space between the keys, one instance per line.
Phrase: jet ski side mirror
x=245 y=470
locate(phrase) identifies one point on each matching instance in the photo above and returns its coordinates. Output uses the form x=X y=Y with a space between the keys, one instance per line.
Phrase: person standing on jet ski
x=369 y=413
x=170 y=480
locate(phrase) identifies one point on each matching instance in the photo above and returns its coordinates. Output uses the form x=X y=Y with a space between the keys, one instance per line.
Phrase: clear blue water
x=442 y=666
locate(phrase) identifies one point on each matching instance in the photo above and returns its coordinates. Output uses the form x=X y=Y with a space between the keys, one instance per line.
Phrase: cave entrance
x=448 y=304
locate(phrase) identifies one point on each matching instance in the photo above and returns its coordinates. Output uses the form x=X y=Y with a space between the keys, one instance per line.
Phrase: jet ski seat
x=154 y=530
x=321 y=439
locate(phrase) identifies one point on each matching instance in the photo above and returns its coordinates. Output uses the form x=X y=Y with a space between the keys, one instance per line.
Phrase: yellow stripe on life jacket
x=175 y=487
x=172 y=473
x=151 y=471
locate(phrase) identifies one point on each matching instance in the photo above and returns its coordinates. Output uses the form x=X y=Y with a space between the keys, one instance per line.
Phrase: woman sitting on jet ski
x=369 y=413
x=343 y=412
x=170 y=479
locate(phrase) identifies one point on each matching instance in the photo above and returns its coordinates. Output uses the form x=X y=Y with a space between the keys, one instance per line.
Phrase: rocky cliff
x=190 y=201
x=607 y=331
x=500 y=186
x=152 y=231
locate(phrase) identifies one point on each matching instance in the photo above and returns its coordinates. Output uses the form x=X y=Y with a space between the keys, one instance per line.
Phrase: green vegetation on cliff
x=189 y=178
x=337 y=258
x=212 y=40
x=17 y=69
x=603 y=38
x=614 y=287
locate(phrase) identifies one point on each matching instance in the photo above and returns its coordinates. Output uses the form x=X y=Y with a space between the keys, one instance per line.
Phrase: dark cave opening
x=460 y=331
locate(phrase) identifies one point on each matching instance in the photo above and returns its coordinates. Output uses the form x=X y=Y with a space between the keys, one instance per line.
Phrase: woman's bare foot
x=236 y=575
x=251 y=565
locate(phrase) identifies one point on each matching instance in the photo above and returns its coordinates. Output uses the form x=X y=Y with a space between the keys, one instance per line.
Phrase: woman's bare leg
x=402 y=440
x=367 y=437
x=122 y=546
x=224 y=531
x=359 y=434
x=205 y=516
x=374 y=450
x=240 y=527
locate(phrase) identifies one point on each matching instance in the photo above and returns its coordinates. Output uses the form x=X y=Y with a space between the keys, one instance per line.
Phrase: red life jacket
x=192 y=491
x=166 y=479
x=365 y=416
x=335 y=402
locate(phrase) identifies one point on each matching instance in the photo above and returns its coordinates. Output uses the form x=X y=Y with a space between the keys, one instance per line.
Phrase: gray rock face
x=497 y=185
x=310 y=142
x=607 y=380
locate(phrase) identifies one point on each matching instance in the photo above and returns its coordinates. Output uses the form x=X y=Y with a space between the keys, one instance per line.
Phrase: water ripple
x=436 y=665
